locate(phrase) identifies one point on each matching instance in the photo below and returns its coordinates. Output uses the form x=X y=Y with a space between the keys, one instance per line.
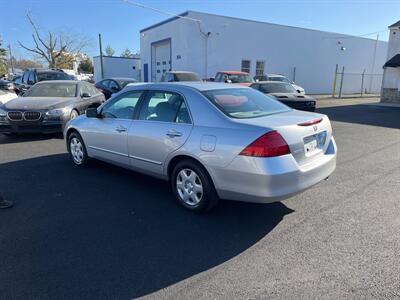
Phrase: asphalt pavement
x=103 y=232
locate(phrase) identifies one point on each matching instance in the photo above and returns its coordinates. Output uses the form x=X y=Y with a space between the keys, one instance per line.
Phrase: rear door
x=106 y=137
x=163 y=126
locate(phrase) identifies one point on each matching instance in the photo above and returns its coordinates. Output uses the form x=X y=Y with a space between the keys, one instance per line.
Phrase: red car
x=236 y=77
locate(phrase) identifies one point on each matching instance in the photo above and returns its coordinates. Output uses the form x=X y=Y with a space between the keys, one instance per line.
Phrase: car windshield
x=42 y=76
x=244 y=103
x=240 y=78
x=123 y=82
x=278 y=78
x=52 y=90
x=277 y=87
x=187 y=77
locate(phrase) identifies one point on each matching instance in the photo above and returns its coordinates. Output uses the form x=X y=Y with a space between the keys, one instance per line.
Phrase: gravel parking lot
x=103 y=232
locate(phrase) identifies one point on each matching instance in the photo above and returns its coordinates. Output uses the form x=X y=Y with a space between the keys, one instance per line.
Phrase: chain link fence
x=356 y=84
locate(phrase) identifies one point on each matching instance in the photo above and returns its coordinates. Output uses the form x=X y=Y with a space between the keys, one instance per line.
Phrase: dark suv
x=32 y=76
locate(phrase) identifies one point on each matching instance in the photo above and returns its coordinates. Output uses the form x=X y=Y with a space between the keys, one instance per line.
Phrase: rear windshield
x=244 y=103
x=278 y=78
x=123 y=82
x=240 y=78
x=186 y=77
x=277 y=87
x=52 y=90
x=42 y=76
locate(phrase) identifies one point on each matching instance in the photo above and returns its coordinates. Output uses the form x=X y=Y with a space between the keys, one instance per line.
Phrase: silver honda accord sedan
x=211 y=141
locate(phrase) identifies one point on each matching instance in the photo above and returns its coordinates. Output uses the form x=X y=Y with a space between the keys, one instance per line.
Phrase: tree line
x=56 y=49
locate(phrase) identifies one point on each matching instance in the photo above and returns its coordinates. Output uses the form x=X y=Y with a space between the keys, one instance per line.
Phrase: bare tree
x=54 y=47
x=109 y=51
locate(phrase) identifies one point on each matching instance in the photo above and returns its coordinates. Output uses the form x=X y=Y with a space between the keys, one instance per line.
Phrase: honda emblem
x=315 y=127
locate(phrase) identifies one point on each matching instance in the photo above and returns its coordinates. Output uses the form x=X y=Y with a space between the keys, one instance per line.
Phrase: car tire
x=77 y=149
x=74 y=114
x=193 y=187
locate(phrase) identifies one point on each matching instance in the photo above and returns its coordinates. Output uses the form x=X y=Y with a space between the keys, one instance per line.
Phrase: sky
x=119 y=22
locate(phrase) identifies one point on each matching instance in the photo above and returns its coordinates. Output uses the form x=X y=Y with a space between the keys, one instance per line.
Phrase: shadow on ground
x=22 y=138
x=364 y=114
x=105 y=232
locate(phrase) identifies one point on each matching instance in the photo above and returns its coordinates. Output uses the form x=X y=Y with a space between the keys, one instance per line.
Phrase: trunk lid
x=307 y=142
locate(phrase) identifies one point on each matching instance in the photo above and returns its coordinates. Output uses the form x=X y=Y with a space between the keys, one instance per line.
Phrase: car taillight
x=268 y=145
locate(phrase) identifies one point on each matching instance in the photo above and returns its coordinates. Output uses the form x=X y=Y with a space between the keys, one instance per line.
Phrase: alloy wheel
x=76 y=148
x=189 y=187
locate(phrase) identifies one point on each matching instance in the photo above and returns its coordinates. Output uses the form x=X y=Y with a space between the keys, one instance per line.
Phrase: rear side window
x=244 y=103
x=164 y=107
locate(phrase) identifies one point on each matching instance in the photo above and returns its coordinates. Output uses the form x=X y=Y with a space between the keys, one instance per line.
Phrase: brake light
x=268 y=145
x=312 y=122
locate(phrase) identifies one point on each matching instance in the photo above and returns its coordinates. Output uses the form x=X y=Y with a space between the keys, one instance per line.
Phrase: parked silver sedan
x=211 y=141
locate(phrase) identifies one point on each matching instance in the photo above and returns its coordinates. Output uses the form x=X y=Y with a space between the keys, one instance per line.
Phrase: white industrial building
x=206 y=43
x=391 y=77
x=115 y=66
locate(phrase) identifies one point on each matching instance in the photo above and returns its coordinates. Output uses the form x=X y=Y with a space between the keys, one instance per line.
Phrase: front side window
x=122 y=107
x=260 y=67
x=164 y=107
x=25 y=77
x=246 y=65
x=31 y=78
x=52 y=90
x=244 y=103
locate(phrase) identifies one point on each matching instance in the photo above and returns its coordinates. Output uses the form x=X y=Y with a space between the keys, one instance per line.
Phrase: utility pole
x=373 y=63
x=11 y=58
x=101 y=57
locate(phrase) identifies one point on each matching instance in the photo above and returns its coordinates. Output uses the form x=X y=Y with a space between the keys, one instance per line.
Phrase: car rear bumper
x=265 y=180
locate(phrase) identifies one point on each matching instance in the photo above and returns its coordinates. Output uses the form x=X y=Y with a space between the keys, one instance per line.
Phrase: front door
x=106 y=138
x=163 y=126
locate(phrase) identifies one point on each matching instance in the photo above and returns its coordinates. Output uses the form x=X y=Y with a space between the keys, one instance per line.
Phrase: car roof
x=197 y=85
x=120 y=78
x=182 y=72
x=275 y=75
x=271 y=82
x=59 y=81
x=234 y=72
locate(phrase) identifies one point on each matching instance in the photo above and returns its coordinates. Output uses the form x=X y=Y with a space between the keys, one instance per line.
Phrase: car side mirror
x=299 y=91
x=228 y=81
x=85 y=95
x=92 y=113
x=114 y=89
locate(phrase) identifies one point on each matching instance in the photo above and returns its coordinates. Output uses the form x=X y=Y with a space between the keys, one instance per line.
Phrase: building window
x=246 y=65
x=260 y=67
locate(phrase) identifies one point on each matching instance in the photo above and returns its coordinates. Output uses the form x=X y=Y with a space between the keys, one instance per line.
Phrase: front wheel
x=193 y=187
x=77 y=149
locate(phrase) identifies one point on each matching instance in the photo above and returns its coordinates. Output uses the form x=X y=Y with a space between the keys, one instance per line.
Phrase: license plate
x=314 y=142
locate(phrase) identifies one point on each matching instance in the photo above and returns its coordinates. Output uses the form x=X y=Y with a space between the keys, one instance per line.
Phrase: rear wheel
x=77 y=149
x=193 y=187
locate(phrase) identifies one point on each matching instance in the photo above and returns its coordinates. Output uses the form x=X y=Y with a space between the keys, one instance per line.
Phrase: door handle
x=173 y=133
x=120 y=129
